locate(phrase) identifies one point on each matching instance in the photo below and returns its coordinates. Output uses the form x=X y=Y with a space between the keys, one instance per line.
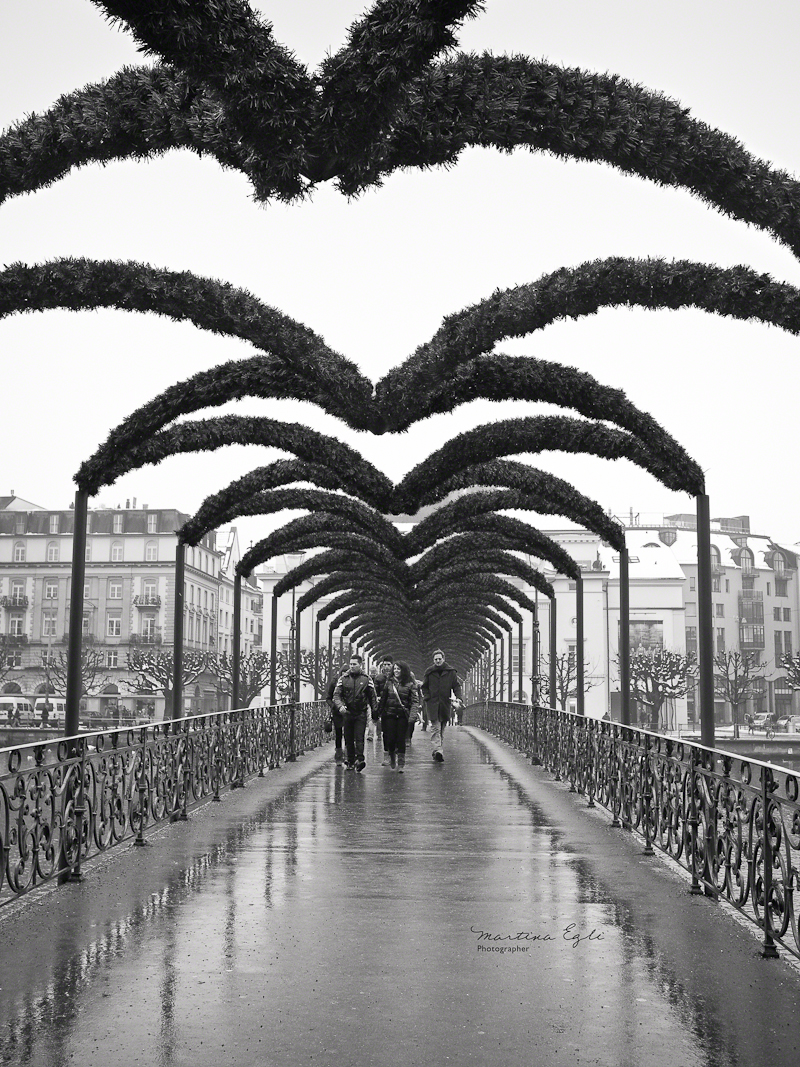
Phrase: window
x=769 y=592
x=787 y=642
x=117 y=524
x=746 y=561
x=728 y=586
x=151 y=551
x=86 y=623
x=15 y=625
x=781 y=587
x=114 y=625
x=87 y=590
x=212 y=602
x=149 y=626
x=647 y=634
x=116 y=552
x=779 y=563
x=112 y=658
x=748 y=583
x=115 y=589
x=776 y=614
x=54 y=524
x=52 y=552
x=191 y=594
x=715 y=583
x=721 y=641
x=778 y=645
x=691 y=639
x=716 y=559
x=692 y=584
x=17 y=591
x=51 y=589
x=89 y=522
x=19 y=552
x=205 y=599
x=48 y=624
x=719 y=610
x=149 y=588
x=152 y=523
x=14 y=658
x=88 y=553
x=19 y=524
x=787 y=614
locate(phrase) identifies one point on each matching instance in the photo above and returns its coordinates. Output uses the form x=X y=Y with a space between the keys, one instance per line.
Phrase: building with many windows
x=129 y=598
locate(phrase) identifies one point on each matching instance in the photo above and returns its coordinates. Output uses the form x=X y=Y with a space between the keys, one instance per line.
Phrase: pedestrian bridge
x=557 y=892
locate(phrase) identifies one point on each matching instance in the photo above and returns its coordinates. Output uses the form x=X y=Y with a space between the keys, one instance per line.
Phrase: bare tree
x=736 y=679
x=657 y=675
x=93 y=676
x=566 y=679
x=254 y=674
x=153 y=672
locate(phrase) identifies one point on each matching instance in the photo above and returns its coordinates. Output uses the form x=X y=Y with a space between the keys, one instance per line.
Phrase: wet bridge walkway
x=470 y=913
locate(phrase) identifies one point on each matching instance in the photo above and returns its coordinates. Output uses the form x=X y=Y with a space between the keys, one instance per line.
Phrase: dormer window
x=779 y=563
x=746 y=561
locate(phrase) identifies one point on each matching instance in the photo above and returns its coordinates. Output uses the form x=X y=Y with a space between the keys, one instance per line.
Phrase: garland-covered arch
x=314 y=531
x=553 y=433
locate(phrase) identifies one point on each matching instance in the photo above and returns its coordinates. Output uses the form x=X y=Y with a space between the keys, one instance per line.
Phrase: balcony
x=751 y=608
x=751 y=638
x=154 y=638
x=13 y=640
x=147 y=601
x=14 y=602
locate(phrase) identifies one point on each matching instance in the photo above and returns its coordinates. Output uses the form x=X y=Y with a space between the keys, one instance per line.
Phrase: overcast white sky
x=375 y=276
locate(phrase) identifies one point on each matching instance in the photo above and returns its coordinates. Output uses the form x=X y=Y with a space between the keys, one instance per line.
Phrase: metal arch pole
x=705 y=620
x=579 y=643
x=625 y=636
x=74 y=680
x=553 y=647
x=316 y=659
x=520 y=647
x=273 y=653
x=237 y=639
x=177 y=632
x=510 y=665
x=297 y=655
x=535 y=655
x=502 y=667
x=330 y=653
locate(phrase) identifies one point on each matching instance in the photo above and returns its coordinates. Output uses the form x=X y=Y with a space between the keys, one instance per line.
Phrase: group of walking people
x=396 y=701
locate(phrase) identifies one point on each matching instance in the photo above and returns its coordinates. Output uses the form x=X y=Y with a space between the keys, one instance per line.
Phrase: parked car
x=784 y=723
x=760 y=720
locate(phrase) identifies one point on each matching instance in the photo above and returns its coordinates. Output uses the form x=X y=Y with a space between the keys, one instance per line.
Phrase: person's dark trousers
x=338 y=728
x=394 y=734
x=410 y=732
x=354 y=729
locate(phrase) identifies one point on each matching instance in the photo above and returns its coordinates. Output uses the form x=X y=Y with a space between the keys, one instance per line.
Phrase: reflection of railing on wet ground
x=64 y=800
x=733 y=823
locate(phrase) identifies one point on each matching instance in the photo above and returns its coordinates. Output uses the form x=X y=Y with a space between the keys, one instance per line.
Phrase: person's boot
x=401 y=764
x=339 y=756
x=393 y=761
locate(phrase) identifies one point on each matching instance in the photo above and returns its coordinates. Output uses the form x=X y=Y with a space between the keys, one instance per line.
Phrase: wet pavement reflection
x=441 y=916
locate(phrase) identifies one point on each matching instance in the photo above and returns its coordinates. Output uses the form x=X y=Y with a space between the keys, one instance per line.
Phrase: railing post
x=79 y=810
x=768 y=949
x=693 y=822
x=273 y=651
x=177 y=631
x=291 y=758
x=647 y=798
x=705 y=622
x=237 y=639
x=142 y=786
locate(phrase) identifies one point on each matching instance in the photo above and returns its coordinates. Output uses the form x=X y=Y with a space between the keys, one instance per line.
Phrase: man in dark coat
x=353 y=694
x=440 y=684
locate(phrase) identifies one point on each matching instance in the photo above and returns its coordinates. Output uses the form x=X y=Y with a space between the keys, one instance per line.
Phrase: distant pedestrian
x=336 y=717
x=353 y=696
x=439 y=685
x=385 y=670
x=397 y=700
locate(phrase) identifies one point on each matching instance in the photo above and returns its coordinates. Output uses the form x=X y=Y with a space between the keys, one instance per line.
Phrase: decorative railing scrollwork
x=733 y=823
x=63 y=801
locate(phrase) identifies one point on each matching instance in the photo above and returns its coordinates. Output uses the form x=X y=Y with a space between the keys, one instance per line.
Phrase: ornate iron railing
x=65 y=800
x=733 y=823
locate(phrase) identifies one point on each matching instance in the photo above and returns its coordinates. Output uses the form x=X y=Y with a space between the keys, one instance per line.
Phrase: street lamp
x=292 y=560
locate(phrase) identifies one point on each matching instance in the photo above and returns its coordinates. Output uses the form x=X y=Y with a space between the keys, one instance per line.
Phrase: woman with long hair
x=396 y=701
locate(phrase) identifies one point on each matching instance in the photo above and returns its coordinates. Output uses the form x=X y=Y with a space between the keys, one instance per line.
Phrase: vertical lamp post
x=510 y=665
x=520 y=649
x=316 y=660
x=502 y=667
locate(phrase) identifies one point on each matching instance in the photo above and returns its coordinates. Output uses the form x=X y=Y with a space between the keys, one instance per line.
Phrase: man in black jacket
x=354 y=693
x=385 y=671
x=440 y=684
